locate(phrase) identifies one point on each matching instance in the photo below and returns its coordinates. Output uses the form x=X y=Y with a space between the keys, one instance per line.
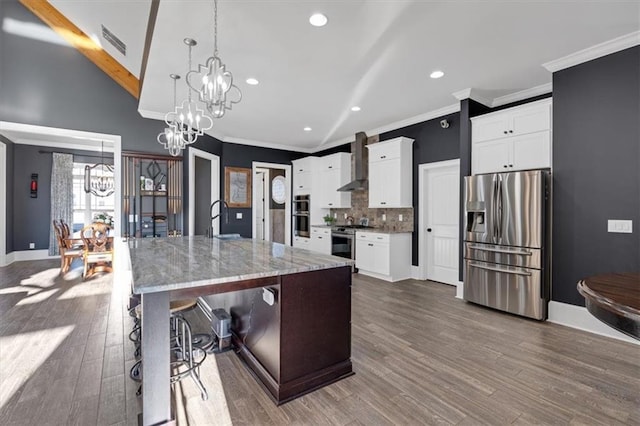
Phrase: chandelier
x=212 y=81
x=170 y=136
x=190 y=121
x=98 y=179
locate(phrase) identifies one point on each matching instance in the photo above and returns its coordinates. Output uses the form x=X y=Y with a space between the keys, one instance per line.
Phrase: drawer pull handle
x=370 y=245
x=506 y=271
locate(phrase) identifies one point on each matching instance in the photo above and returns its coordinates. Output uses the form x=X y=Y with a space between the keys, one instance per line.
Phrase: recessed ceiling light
x=307 y=129
x=318 y=20
x=436 y=74
x=252 y=81
x=355 y=108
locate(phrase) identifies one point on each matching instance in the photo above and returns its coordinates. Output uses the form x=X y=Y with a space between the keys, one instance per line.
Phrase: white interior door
x=260 y=204
x=442 y=199
x=200 y=203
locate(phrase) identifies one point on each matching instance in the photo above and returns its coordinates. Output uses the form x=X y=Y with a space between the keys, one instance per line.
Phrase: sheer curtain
x=61 y=195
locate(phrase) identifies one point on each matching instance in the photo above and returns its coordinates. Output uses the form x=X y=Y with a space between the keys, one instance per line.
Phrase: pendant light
x=170 y=136
x=212 y=82
x=98 y=179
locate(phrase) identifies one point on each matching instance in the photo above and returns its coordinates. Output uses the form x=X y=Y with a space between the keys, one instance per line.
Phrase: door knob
x=428 y=229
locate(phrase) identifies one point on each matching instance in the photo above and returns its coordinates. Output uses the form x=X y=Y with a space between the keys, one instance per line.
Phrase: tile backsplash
x=360 y=204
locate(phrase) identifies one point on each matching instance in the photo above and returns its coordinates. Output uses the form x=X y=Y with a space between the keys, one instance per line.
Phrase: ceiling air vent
x=115 y=41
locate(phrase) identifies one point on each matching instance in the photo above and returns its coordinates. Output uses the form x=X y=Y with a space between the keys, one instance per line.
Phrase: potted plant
x=328 y=220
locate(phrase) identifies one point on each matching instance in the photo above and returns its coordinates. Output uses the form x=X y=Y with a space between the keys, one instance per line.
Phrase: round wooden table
x=615 y=300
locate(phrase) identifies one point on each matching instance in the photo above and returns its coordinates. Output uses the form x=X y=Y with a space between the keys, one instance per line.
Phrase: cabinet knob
x=330 y=204
x=505 y=166
x=370 y=245
x=505 y=132
x=330 y=167
x=428 y=229
x=299 y=186
x=510 y=131
x=383 y=156
x=510 y=165
x=384 y=202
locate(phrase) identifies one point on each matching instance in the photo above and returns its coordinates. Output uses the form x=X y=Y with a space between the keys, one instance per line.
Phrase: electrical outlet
x=32 y=246
x=384 y=217
x=399 y=218
x=335 y=215
x=345 y=215
x=238 y=215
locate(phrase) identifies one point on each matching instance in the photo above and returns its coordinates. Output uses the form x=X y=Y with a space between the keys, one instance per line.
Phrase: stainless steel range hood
x=360 y=183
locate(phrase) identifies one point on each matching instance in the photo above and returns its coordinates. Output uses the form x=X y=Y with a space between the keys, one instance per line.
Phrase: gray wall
x=50 y=85
x=31 y=217
x=202 y=192
x=596 y=167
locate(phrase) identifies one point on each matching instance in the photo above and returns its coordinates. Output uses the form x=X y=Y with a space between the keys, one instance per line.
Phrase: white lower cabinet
x=302 y=242
x=384 y=256
x=320 y=240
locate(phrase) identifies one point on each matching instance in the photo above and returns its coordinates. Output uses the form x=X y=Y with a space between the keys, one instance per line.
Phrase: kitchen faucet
x=224 y=207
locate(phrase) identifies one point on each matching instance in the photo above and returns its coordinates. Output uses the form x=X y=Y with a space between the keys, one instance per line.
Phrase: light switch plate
x=384 y=217
x=399 y=218
x=620 y=226
x=238 y=215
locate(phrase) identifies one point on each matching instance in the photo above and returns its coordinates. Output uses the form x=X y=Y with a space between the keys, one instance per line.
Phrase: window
x=87 y=205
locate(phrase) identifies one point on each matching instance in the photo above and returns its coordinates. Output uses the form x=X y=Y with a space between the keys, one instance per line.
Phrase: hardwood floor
x=420 y=356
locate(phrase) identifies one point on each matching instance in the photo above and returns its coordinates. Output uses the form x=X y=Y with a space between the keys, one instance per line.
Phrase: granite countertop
x=378 y=229
x=162 y=264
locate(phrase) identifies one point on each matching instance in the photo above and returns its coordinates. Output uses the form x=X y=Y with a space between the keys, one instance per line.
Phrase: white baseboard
x=459 y=290
x=580 y=318
x=19 y=256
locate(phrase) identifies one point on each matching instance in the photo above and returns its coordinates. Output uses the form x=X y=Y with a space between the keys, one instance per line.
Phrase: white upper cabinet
x=303 y=172
x=520 y=120
x=391 y=173
x=517 y=138
x=334 y=171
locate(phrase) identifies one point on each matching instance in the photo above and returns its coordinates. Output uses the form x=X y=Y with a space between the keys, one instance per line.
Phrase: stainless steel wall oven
x=301 y=218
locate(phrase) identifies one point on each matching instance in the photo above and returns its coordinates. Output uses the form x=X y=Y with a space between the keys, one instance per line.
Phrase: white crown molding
x=522 y=94
x=451 y=109
x=470 y=93
x=594 y=52
x=462 y=94
x=271 y=145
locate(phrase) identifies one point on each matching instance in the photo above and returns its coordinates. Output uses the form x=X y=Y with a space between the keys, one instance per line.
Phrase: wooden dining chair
x=98 y=249
x=68 y=250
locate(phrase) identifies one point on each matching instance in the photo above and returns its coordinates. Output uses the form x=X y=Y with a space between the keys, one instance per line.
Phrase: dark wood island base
x=303 y=341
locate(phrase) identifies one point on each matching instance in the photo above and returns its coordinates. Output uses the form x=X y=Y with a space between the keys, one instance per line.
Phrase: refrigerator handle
x=494 y=208
x=499 y=205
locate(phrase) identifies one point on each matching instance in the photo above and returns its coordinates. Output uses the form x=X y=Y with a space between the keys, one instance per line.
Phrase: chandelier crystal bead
x=212 y=81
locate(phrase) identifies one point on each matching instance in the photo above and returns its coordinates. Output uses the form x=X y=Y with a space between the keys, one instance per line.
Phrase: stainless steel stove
x=342 y=240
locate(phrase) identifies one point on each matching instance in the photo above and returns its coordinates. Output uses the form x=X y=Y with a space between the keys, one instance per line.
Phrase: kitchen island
x=299 y=342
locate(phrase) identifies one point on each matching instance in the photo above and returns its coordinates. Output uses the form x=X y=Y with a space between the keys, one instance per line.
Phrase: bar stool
x=186 y=357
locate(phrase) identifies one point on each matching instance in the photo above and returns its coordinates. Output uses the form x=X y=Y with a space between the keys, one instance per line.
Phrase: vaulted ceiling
x=377 y=55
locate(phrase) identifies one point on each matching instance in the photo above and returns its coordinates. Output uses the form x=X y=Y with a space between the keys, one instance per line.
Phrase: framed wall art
x=237 y=187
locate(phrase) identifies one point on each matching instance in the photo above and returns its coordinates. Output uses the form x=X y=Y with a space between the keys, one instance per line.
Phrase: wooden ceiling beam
x=83 y=43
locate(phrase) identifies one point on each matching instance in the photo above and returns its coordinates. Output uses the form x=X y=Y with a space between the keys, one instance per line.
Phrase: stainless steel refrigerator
x=507 y=237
